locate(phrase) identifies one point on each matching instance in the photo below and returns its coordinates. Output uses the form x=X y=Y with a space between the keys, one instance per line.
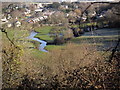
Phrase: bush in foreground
x=75 y=66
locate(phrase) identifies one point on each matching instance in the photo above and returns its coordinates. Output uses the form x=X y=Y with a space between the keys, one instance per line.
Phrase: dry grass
x=74 y=66
x=67 y=58
x=71 y=57
x=11 y=65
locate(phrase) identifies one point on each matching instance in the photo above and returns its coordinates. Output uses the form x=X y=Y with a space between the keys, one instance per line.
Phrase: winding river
x=43 y=43
x=104 y=33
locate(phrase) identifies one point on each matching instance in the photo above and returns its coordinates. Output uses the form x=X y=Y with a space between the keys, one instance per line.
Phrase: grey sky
x=45 y=0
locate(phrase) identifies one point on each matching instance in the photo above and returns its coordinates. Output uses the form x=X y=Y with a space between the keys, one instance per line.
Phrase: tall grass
x=71 y=57
x=11 y=57
x=72 y=66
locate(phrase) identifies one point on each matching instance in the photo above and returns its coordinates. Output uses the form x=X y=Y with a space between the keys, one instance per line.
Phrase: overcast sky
x=44 y=0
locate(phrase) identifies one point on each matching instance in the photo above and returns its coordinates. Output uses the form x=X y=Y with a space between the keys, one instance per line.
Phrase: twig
x=4 y=31
x=83 y=13
x=114 y=50
x=107 y=50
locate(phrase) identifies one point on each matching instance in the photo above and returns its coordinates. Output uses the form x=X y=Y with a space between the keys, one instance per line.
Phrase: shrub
x=75 y=66
x=11 y=73
x=59 y=40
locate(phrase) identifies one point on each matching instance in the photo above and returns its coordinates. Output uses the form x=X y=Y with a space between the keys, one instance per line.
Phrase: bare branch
x=5 y=32
x=114 y=50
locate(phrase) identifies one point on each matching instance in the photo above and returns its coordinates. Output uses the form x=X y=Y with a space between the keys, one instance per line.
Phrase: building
x=69 y=0
x=40 y=4
x=86 y=0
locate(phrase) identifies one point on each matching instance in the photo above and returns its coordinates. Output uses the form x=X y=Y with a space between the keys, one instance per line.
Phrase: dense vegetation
x=72 y=61
x=72 y=66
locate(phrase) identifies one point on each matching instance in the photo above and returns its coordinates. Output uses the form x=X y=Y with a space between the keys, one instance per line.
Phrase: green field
x=18 y=37
x=42 y=33
x=44 y=29
x=44 y=37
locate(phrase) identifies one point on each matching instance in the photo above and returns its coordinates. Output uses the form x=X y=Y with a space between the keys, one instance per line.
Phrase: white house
x=34 y=20
x=69 y=0
x=38 y=10
x=4 y=20
x=9 y=25
x=18 y=24
x=9 y=16
x=94 y=13
x=27 y=11
x=41 y=4
x=38 y=5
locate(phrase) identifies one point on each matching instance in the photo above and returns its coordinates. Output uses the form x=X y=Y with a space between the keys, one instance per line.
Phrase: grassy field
x=44 y=37
x=42 y=33
x=18 y=37
x=18 y=34
x=44 y=29
x=51 y=47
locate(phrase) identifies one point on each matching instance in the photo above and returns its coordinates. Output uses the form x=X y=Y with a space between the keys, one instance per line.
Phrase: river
x=43 y=43
x=108 y=37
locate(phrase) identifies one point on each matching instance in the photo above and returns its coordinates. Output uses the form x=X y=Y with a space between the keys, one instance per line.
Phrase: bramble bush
x=75 y=66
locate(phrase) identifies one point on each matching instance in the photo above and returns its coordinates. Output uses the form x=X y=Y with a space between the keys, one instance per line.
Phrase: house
x=38 y=5
x=27 y=11
x=18 y=24
x=4 y=19
x=39 y=10
x=69 y=0
x=9 y=16
x=48 y=13
x=35 y=20
x=94 y=13
x=84 y=18
x=41 y=4
x=9 y=25
x=64 y=6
